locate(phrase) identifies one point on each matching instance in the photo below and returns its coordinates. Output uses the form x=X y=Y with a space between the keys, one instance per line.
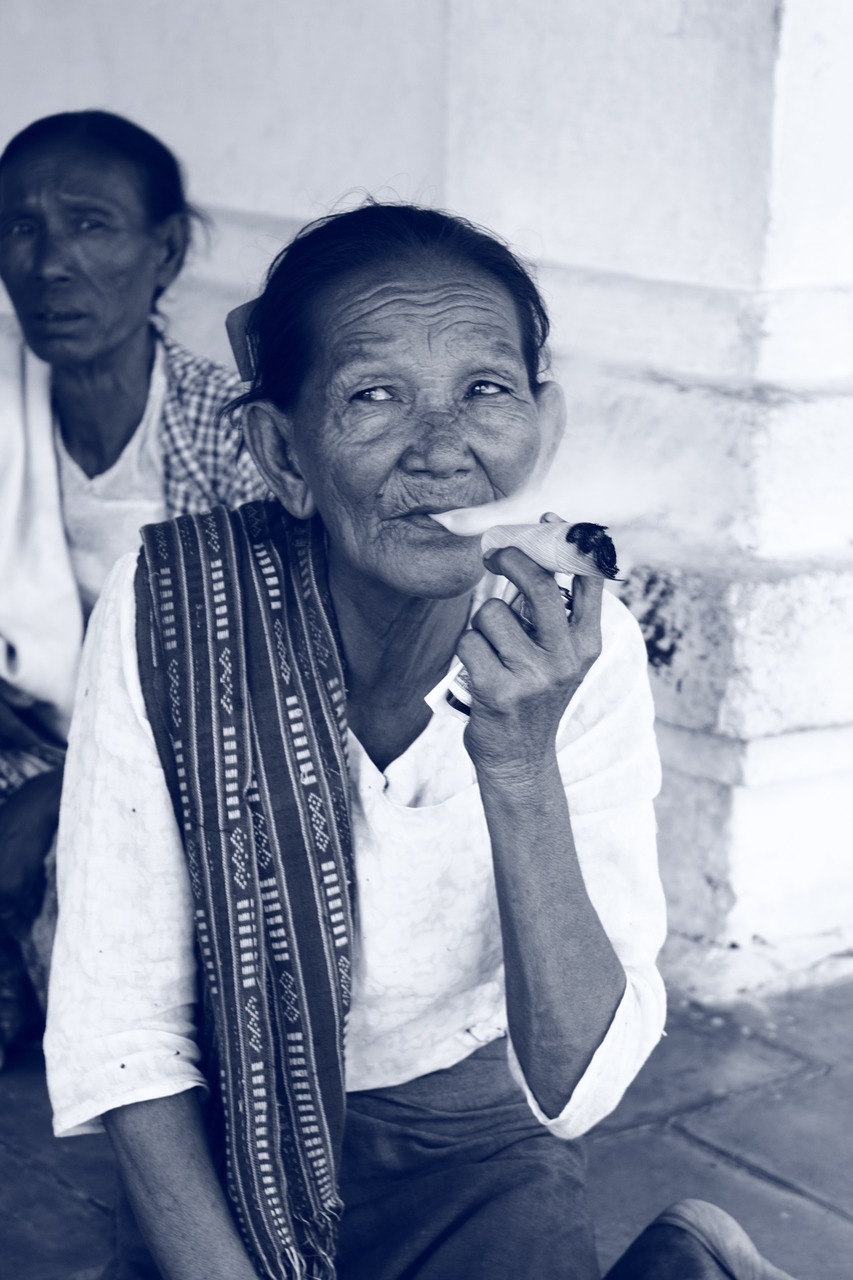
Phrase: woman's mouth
x=51 y=316
x=422 y=519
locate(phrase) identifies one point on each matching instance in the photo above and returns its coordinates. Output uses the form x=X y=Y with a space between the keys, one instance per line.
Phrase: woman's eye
x=373 y=394
x=20 y=227
x=89 y=224
x=486 y=388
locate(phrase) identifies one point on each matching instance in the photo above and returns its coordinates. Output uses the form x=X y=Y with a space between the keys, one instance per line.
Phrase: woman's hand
x=522 y=682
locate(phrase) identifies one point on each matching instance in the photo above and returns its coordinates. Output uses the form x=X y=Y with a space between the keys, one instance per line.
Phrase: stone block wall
x=725 y=449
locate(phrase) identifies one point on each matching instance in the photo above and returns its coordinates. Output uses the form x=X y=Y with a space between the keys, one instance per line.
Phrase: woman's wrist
x=522 y=780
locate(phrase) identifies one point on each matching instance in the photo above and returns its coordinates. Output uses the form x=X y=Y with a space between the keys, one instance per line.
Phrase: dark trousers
x=450 y=1176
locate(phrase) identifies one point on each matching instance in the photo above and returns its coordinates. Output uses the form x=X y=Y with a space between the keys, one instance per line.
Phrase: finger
x=514 y=564
x=545 y=606
x=587 y=594
x=481 y=660
x=505 y=632
x=550 y=517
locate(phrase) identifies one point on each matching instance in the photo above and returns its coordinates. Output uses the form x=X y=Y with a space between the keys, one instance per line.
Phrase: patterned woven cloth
x=243 y=685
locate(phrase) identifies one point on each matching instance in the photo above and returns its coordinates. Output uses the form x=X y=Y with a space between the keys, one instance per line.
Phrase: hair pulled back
x=162 y=185
x=279 y=330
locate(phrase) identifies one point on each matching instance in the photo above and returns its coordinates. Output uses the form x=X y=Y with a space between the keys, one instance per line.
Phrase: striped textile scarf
x=244 y=689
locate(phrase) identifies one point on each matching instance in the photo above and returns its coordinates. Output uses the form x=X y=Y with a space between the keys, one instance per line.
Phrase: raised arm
x=580 y=978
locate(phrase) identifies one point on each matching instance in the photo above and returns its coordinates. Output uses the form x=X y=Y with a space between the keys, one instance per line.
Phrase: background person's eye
x=373 y=394
x=19 y=227
x=485 y=387
x=89 y=224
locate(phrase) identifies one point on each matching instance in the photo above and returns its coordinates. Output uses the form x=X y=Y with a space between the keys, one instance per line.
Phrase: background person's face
x=418 y=401
x=77 y=254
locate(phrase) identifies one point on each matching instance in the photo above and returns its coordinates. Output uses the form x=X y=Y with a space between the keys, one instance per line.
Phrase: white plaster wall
x=622 y=137
x=761 y=902
x=811 y=236
x=276 y=106
x=792 y=841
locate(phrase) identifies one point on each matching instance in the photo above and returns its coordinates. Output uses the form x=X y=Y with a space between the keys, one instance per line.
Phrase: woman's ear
x=173 y=238
x=551 y=406
x=269 y=437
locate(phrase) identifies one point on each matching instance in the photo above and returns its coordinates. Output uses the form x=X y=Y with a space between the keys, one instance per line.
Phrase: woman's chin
x=410 y=561
x=439 y=576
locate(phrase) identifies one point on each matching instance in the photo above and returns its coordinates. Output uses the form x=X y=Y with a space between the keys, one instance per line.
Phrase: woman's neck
x=391 y=640
x=395 y=648
x=100 y=404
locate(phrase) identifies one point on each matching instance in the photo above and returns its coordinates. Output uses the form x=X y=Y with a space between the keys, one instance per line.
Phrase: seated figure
x=346 y=974
x=106 y=424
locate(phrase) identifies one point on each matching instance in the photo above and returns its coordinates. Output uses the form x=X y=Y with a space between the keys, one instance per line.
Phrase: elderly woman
x=346 y=979
x=106 y=424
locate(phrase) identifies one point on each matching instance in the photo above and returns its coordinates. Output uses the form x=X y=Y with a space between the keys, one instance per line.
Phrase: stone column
x=680 y=168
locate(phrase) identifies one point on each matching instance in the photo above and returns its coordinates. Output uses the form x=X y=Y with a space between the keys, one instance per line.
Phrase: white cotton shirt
x=428 y=975
x=103 y=514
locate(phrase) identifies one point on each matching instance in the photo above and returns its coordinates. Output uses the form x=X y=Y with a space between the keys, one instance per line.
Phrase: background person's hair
x=279 y=329
x=110 y=135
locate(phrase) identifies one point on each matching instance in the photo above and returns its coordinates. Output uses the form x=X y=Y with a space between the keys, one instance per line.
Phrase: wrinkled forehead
x=430 y=300
x=72 y=171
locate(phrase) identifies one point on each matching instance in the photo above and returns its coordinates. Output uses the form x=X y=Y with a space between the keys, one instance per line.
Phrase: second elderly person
x=106 y=424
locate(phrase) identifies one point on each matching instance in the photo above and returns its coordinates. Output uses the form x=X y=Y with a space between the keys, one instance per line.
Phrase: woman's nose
x=440 y=448
x=51 y=257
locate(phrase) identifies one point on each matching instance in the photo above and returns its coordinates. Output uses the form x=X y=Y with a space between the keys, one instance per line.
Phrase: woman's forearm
x=168 y=1174
x=564 y=981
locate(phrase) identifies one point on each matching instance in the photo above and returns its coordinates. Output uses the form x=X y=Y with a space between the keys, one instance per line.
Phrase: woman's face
x=418 y=401
x=78 y=256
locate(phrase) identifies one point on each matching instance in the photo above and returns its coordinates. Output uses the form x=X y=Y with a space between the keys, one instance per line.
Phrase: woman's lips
x=49 y=316
x=423 y=520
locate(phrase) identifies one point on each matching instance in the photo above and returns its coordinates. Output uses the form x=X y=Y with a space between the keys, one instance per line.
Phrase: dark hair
x=278 y=330
x=160 y=174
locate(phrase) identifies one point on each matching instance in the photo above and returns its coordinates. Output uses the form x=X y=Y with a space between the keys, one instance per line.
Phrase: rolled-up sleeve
x=611 y=773
x=121 y=1007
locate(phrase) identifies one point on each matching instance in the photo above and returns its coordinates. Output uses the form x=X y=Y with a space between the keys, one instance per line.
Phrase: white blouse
x=428 y=983
x=104 y=513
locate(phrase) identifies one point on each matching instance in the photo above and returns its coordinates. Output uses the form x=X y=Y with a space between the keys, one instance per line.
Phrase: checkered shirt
x=205 y=463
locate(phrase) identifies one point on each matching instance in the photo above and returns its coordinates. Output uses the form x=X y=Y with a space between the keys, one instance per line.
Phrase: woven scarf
x=244 y=690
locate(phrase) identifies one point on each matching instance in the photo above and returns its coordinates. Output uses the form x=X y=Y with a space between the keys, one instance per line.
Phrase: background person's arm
x=30 y=787
x=28 y=821
x=168 y=1175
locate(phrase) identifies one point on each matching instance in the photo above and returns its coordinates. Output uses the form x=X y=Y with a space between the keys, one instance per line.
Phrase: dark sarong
x=450 y=1176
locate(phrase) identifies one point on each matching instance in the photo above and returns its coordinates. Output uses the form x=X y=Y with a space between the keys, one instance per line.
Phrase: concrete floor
x=751 y=1108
